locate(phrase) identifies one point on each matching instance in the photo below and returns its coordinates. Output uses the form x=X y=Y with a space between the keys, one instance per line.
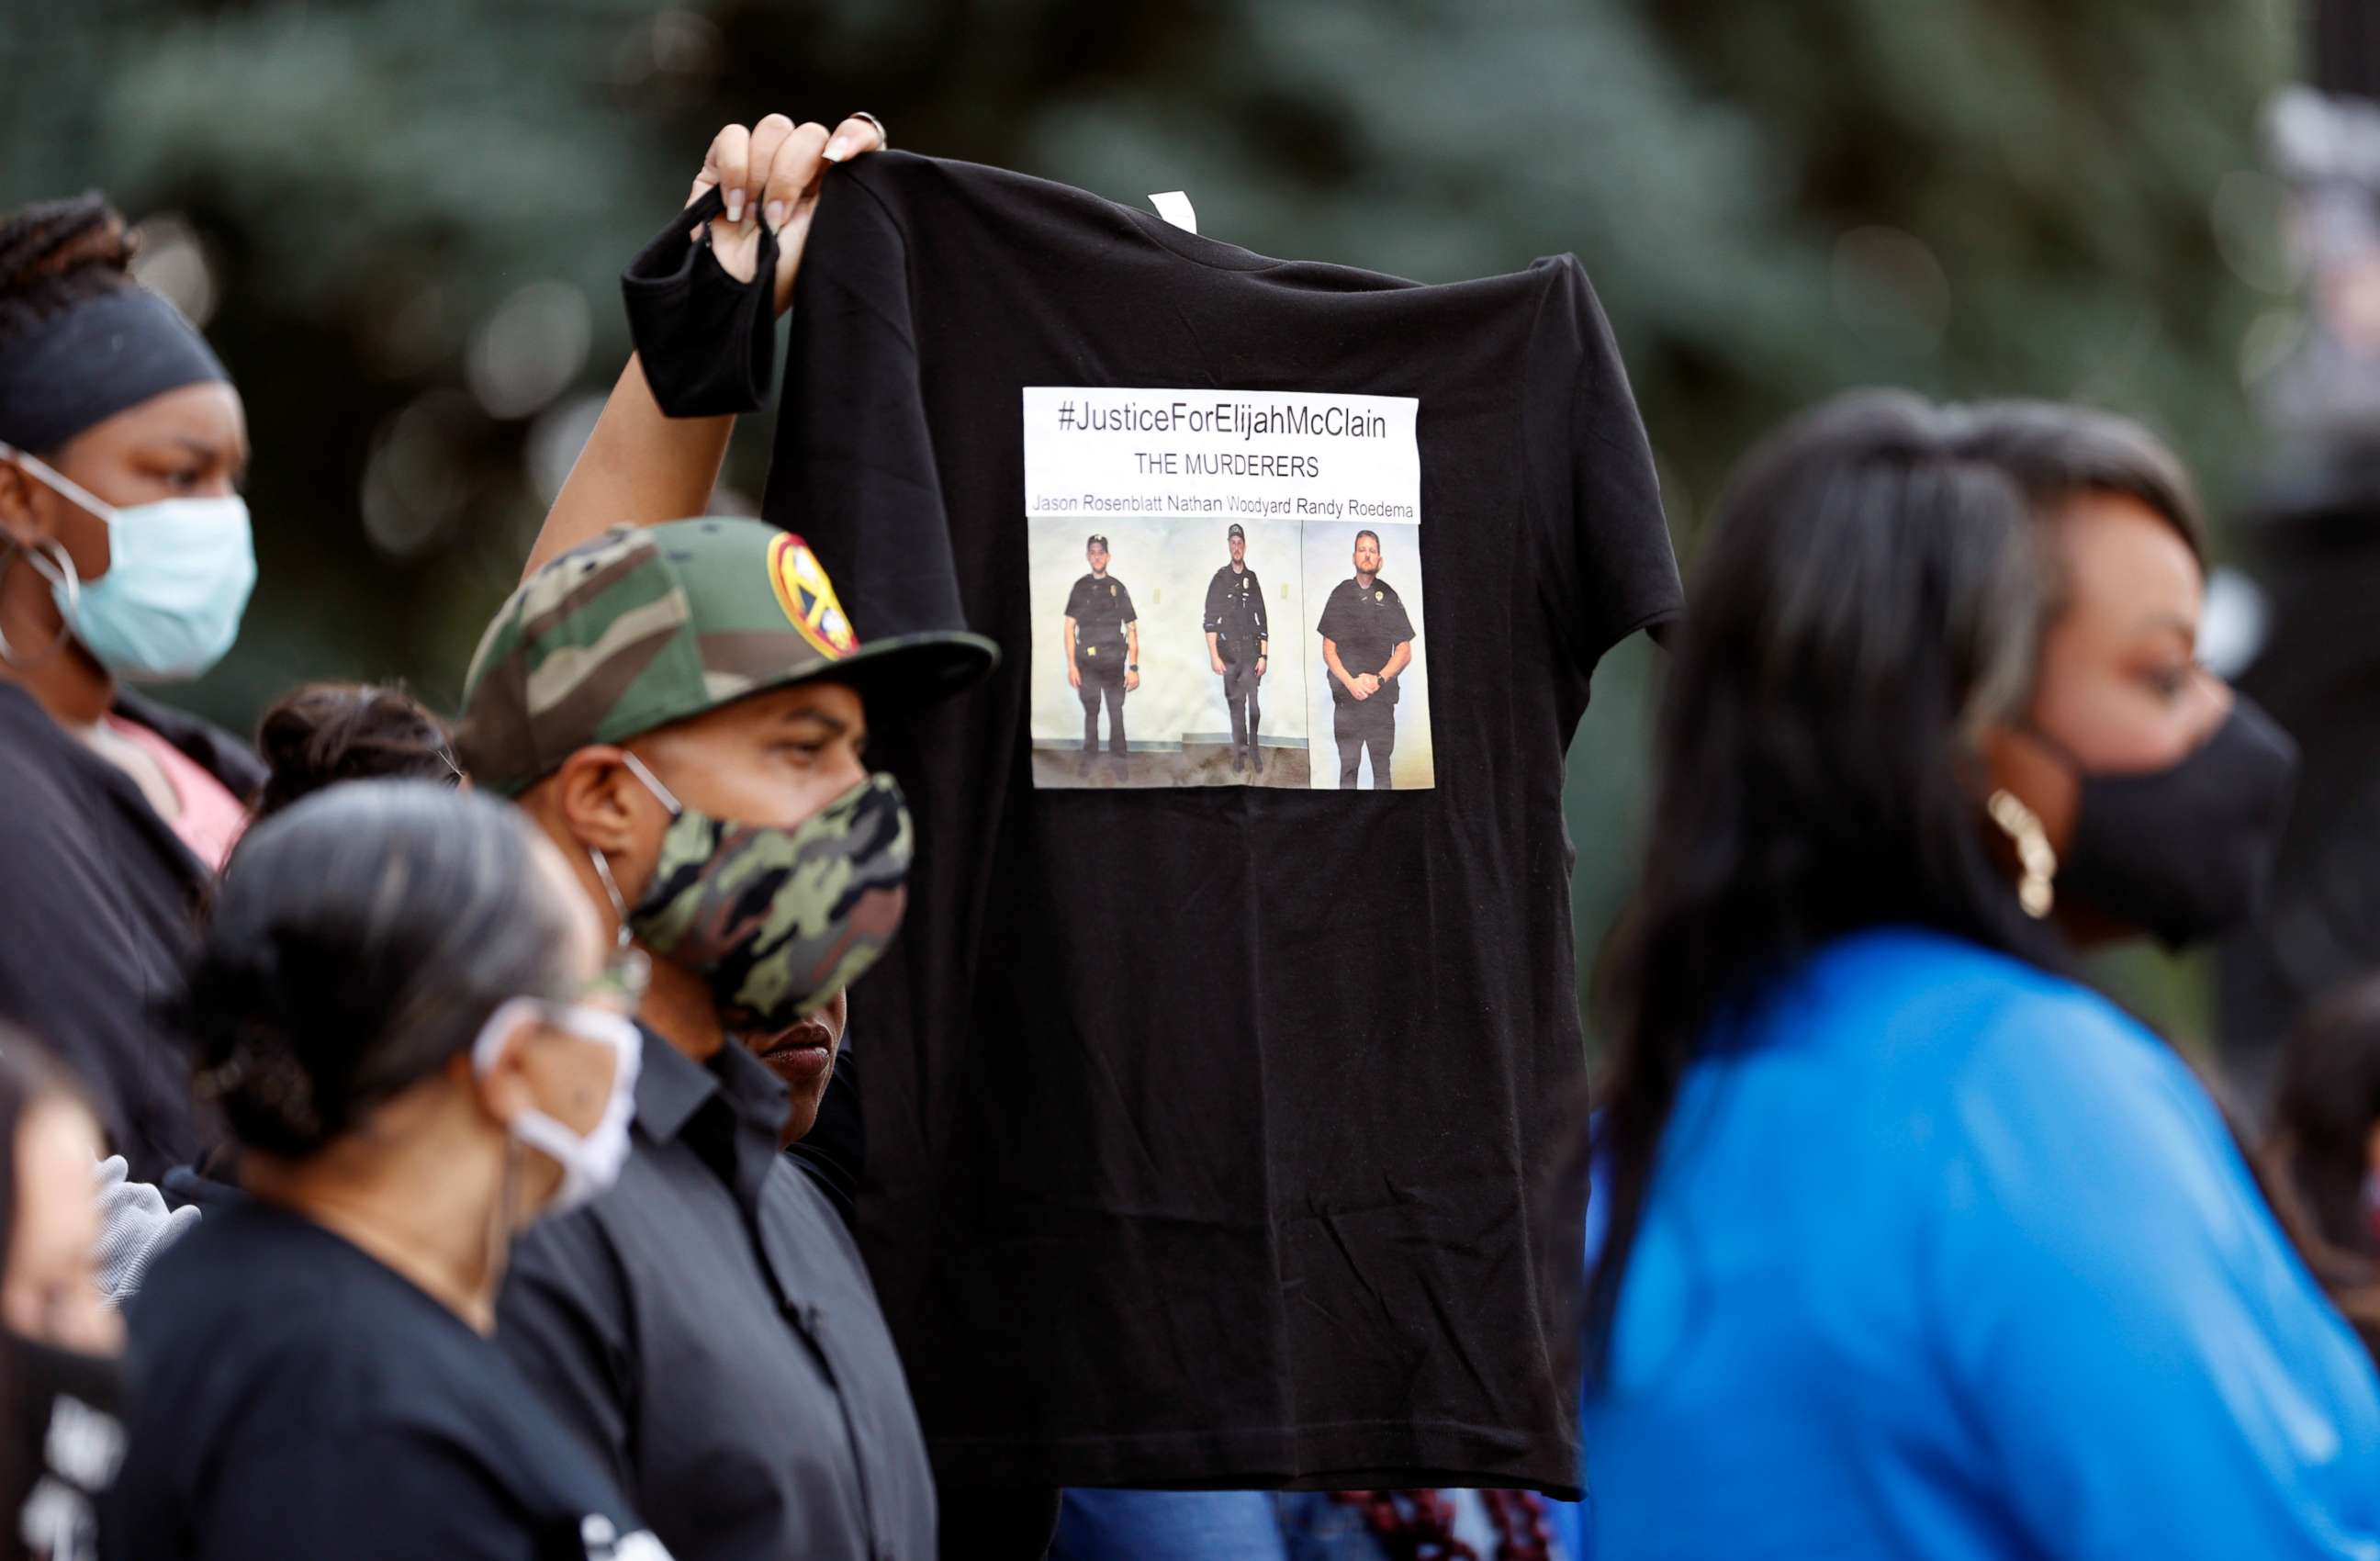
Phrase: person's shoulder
x=1386 y=590
x=2008 y=1053
x=36 y=765
x=794 y=1196
x=248 y=1304
x=1918 y=1004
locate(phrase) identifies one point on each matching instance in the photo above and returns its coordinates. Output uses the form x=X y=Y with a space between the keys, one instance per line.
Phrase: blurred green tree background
x=402 y=223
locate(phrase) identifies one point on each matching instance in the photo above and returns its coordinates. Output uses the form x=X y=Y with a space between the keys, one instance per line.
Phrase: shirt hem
x=1358 y=1455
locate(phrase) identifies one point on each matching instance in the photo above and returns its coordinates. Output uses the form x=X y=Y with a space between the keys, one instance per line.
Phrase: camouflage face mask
x=778 y=920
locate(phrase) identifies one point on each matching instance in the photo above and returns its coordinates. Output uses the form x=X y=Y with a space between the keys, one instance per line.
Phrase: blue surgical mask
x=178 y=575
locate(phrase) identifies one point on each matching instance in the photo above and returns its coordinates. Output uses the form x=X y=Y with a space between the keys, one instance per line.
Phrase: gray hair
x=360 y=940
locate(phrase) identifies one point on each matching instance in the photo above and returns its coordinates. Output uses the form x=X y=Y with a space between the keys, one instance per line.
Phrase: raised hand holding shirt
x=1207 y=1125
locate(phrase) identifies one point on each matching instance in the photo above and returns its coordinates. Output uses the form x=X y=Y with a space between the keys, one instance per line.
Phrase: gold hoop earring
x=2022 y=826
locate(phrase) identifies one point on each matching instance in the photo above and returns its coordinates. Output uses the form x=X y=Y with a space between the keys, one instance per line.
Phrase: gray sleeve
x=134 y=1227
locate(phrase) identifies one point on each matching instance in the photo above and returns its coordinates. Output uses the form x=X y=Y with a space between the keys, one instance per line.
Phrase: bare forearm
x=1399 y=660
x=639 y=468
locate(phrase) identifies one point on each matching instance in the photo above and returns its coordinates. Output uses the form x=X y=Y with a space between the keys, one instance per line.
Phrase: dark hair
x=2326 y=1101
x=56 y=254
x=1870 y=597
x=321 y=733
x=2054 y=452
x=1373 y=534
x=365 y=937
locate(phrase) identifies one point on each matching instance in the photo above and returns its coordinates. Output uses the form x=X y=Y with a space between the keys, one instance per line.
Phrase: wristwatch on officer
x=1132 y=666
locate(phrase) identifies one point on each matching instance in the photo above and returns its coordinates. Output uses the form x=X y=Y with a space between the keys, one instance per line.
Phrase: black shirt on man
x=706 y=1326
x=1101 y=609
x=1235 y=615
x=1366 y=624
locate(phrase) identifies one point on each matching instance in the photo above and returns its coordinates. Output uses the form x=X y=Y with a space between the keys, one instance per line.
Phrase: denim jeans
x=1110 y=1525
x=1210 y=1526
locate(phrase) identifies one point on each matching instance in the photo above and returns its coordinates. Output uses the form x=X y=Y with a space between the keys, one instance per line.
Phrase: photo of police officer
x=1367 y=642
x=1102 y=655
x=1238 y=648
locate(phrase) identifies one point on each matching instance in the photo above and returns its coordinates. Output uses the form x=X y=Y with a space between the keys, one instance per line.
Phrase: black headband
x=85 y=366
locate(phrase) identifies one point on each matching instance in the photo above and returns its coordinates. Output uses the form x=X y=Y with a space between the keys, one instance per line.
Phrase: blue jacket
x=1949 y=1259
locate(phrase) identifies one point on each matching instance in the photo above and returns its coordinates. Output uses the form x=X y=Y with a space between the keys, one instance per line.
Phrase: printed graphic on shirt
x=1199 y=560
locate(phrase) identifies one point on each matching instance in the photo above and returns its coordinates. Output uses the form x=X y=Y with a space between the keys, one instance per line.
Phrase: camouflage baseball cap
x=647 y=626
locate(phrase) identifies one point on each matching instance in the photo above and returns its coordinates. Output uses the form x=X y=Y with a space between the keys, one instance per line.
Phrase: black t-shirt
x=1207 y=1129
x=294 y=1397
x=1235 y=613
x=1101 y=609
x=1366 y=624
x=100 y=914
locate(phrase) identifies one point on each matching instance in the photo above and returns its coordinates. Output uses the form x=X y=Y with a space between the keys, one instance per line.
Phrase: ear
x=25 y=517
x=599 y=800
x=503 y=1091
x=2024 y=765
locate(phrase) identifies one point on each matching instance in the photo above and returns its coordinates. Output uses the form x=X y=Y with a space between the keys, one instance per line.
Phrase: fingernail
x=776 y=215
x=735 y=205
x=838 y=148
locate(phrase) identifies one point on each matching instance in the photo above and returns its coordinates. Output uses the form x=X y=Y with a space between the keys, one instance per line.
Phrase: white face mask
x=178 y=577
x=589 y=1164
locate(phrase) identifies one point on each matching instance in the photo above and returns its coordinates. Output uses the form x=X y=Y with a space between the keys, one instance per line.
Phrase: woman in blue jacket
x=1908 y=1245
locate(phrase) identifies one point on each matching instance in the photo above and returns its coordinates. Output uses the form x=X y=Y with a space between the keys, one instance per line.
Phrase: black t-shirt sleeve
x=1400 y=627
x=562 y=1319
x=1257 y=600
x=854 y=469
x=1077 y=600
x=385 y=1496
x=1605 y=561
x=1214 y=622
x=1123 y=605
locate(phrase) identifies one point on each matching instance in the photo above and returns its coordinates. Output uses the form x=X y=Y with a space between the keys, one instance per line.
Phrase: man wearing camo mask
x=681 y=708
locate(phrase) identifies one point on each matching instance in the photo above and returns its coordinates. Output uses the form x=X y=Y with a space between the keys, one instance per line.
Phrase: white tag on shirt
x=1174 y=207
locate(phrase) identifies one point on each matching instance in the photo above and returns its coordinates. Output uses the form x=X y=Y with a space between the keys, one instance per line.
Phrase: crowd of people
x=427 y=1137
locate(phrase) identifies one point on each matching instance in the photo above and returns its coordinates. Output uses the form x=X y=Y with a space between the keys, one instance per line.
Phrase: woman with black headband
x=124 y=557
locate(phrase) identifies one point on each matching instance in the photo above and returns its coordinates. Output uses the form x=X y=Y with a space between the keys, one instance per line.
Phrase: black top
x=708 y=1329
x=294 y=1397
x=1235 y=613
x=101 y=913
x=1207 y=1127
x=1101 y=609
x=1367 y=625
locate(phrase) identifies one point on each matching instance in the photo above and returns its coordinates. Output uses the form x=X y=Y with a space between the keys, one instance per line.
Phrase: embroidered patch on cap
x=807 y=596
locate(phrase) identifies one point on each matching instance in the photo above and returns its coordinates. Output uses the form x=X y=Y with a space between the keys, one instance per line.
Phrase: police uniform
x=1367 y=623
x=1101 y=609
x=1235 y=616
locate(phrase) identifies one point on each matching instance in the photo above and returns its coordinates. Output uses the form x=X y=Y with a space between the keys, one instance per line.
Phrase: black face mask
x=2183 y=852
x=66 y=1442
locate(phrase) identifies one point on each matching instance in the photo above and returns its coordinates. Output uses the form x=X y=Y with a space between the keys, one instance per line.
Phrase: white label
x=1326 y=491
x=1174 y=207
